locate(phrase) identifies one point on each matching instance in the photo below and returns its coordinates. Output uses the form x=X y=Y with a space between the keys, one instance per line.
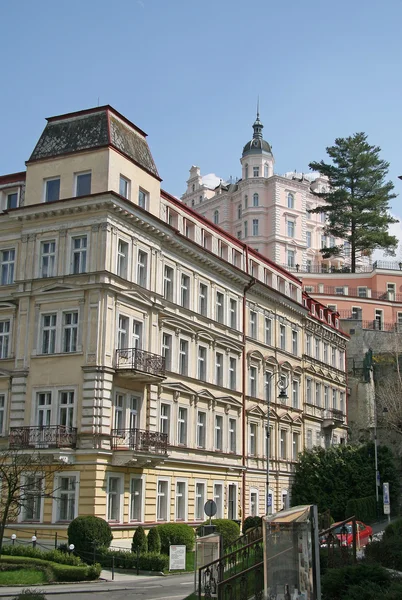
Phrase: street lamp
x=377 y=474
x=34 y=538
x=282 y=384
x=71 y=548
x=13 y=538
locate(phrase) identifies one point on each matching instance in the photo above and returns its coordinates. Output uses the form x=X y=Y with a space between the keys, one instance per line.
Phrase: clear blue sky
x=188 y=72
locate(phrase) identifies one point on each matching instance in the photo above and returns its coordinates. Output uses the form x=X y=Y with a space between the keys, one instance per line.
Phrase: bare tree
x=26 y=478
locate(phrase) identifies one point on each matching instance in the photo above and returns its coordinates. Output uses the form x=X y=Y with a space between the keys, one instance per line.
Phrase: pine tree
x=357 y=200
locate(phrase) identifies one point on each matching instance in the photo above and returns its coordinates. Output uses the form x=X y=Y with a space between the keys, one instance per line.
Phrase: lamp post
x=13 y=538
x=34 y=538
x=282 y=384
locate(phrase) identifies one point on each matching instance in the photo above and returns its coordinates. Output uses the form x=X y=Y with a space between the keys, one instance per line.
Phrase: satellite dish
x=210 y=508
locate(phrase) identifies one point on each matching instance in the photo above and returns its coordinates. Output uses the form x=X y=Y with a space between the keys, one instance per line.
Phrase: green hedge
x=336 y=582
x=229 y=530
x=51 y=555
x=387 y=552
x=123 y=559
x=85 y=532
x=364 y=509
x=251 y=522
x=394 y=529
x=176 y=534
x=57 y=571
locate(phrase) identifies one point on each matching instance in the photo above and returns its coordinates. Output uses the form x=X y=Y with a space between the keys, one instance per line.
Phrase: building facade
x=144 y=348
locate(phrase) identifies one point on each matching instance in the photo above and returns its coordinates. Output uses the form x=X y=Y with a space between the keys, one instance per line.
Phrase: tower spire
x=257 y=135
x=258 y=107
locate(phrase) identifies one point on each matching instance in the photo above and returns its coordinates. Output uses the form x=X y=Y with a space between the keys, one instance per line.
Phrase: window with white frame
x=362 y=292
x=295 y=342
x=232 y=501
x=334 y=398
x=122 y=332
x=308 y=390
x=4 y=338
x=333 y=356
x=2 y=413
x=219 y=368
x=182 y=426
x=48 y=343
x=255 y=227
x=218 y=499
x=317 y=394
x=239 y=211
x=168 y=279
x=232 y=372
x=167 y=350
x=295 y=445
x=79 y=246
x=326 y=397
x=200 y=492
x=295 y=393
x=218 y=432
x=136 y=499
x=317 y=348
x=142 y=268
x=185 y=291
x=308 y=239
x=83 y=184
x=124 y=187
x=70 y=331
x=66 y=497
x=253 y=324
x=142 y=198
x=282 y=337
x=181 y=497
x=291 y=200
x=55 y=408
x=308 y=344
x=268 y=331
x=32 y=489
x=219 y=307
x=233 y=313
x=291 y=258
x=122 y=259
x=163 y=500
x=47 y=258
x=183 y=357
x=66 y=409
x=282 y=444
x=164 y=419
x=52 y=189
x=232 y=435
x=7 y=265
x=253 y=503
x=252 y=439
x=137 y=333
x=255 y=200
x=268 y=386
x=341 y=402
x=253 y=381
x=256 y=171
x=266 y=171
x=245 y=227
x=216 y=217
x=12 y=200
x=203 y=299
x=325 y=352
x=290 y=228
x=201 y=429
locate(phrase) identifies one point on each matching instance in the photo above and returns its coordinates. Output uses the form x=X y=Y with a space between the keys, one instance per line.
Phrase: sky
x=189 y=72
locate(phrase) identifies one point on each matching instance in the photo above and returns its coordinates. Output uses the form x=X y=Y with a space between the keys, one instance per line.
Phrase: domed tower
x=257 y=159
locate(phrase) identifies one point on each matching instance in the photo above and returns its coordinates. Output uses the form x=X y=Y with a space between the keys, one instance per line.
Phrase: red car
x=344 y=533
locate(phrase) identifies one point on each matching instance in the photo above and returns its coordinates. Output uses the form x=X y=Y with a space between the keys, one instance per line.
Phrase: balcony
x=139 y=364
x=333 y=418
x=139 y=447
x=57 y=436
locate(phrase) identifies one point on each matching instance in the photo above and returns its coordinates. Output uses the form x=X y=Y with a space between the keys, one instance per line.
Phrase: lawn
x=190 y=558
x=22 y=577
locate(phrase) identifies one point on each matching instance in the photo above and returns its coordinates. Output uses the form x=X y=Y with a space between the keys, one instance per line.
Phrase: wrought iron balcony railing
x=135 y=359
x=140 y=440
x=334 y=414
x=56 y=436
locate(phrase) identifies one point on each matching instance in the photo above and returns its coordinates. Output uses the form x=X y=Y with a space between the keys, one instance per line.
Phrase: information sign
x=177 y=558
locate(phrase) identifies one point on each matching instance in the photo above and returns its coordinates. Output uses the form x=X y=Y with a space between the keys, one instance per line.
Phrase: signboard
x=177 y=558
x=386 y=499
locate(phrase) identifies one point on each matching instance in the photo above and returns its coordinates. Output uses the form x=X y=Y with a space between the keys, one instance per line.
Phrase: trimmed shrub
x=387 y=552
x=394 y=529
x=29 y=594
x=336 y=581
x=251 y=522
x=150 y=561
x=52 y=555
x=177 y=534
x=140 y=541
x=154 y=540
x=364 y=509
x=56 y=571
x=87 y=532
x=228 y=529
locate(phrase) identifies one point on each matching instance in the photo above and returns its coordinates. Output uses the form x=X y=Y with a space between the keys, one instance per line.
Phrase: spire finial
x=258 y=106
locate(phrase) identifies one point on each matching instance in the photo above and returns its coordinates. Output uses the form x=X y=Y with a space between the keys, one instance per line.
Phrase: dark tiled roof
x=131 y=144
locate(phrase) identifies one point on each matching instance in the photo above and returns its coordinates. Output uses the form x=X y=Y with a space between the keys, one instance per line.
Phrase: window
x=52 y=190
x=119 y=414
x=165 y=419
x=256 y=171
x=291 y=229
x=268 y=386
x=232 y=373
x=181 y=495
x=182 y=426
x=255 y=200
x=318 y=438
x=318 y=394
x=308 y=391
x=246 y=172
x=66 y=409
x=137 y=334
x=83 y=184
x=44 y=404
x=136 y=495
x=233 y=313
x=291 y=201
x=48 y=345
x=266 y=172
x=253 y=439
x=203 y=299
x=291 y=258
x=12 y=200
x=325 y=353
x=246 y=201
x=317 y=348
x=268 y=331
x=333 y=356
x=253 y=324
x=185 y=291
x=218 y=432
x=245 y=226
x=309 y=440
x=232 y=501
x=340 y=291
x=2 y=413
x=232 y=435
x=70 y=331
x=167 y=350
x=308 y=239
x=124 y=187
x=295 y=394
x=322 y=217
x=253 y=381
x=378 y=319
x=253 y=503
x=239 y=211
x=122 y=333
x=122 y=259
x=326 y=397
x=238 y=235
x=295 y=446
x=7 y=266
x=79 y=254
x=218 y=499
x=219 y=307
x=282 y=444
x=47 y=259
x=255 y=226
x=4 y=339
x=66 y=494
x=201 y=429
x=219 y=369
x=323 y=241
x=199 y=500
x=202 y=363
x=142 y=267
x=309 y=264
x=114 y=489
x=308 y=344
x=282 y=337
x=162 y=500
x=183 y=357
x=216 y=217
x=334 y=399
x=341 y=403
x=32 y=506
x=295 y=339
x=168 y=283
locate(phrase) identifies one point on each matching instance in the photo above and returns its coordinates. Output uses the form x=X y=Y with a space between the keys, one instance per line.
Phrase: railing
x=57 y=436
x=334 y=414
x=377 y=325
x=140 y=440
x=314 y=411
x=238 y=575
x=140 y=360
x=345 y=290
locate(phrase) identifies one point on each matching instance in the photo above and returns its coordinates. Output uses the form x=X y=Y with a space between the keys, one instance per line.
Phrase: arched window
x=193 y=187
x=216 y=217
x=291 y=201
x=239 y=211
x=245 y=201
x=255 y=200
x=246 y=171
x=266 y=170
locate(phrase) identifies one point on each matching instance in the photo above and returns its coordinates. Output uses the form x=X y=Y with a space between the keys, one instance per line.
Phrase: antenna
x=258 y=106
